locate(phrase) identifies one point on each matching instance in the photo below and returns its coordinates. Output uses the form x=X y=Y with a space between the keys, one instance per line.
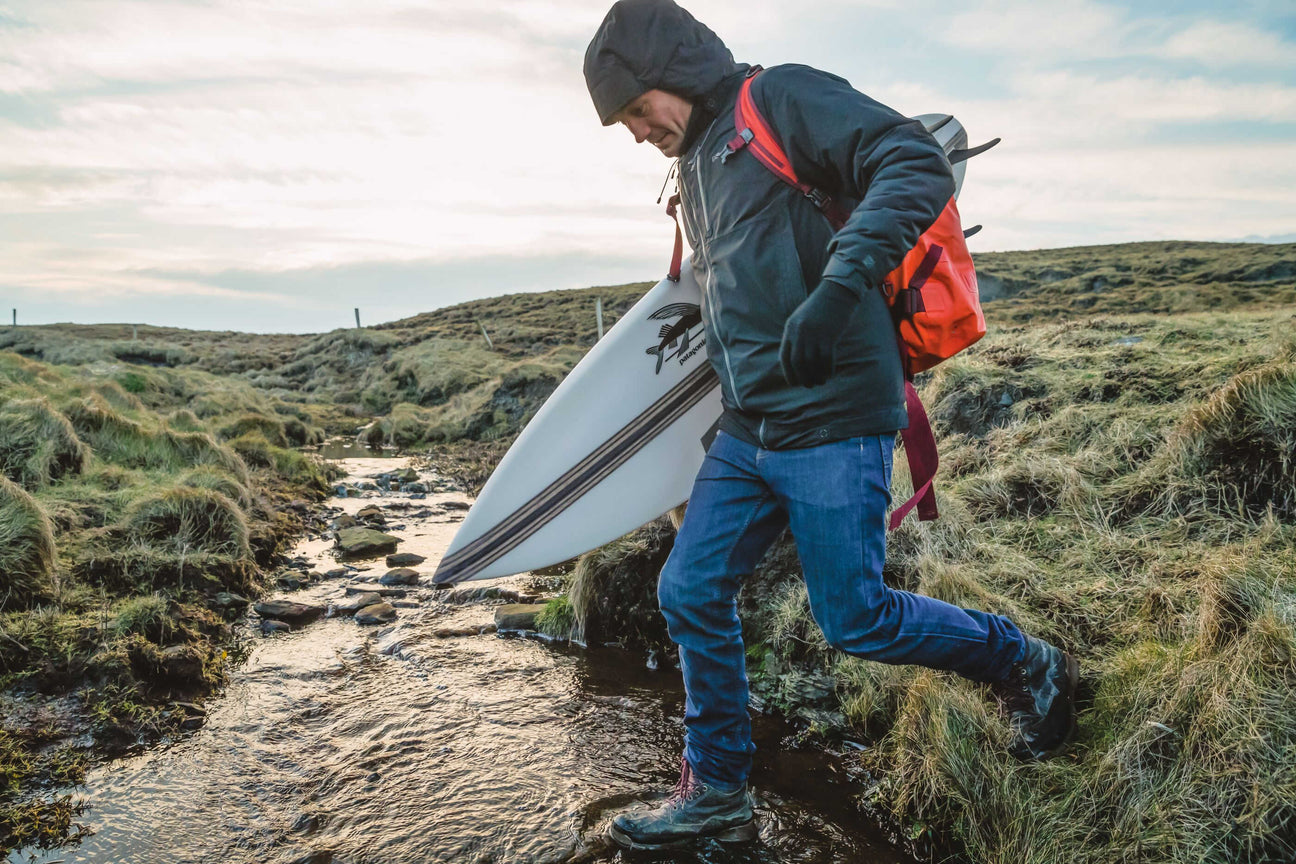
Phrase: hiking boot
x=1039 y=698
x=695 y=810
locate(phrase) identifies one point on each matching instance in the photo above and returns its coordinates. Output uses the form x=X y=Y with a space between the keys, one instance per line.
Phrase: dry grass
x=38 y=444
x=28 y=556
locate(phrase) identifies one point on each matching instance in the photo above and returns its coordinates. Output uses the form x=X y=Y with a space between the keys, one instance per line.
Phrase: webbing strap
x=920 y=450
x=755 y=134
x=677 y=256
x=927 y=266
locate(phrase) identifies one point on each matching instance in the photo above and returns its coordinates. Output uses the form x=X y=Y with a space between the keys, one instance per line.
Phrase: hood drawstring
x=672 y=203
x=674 y=169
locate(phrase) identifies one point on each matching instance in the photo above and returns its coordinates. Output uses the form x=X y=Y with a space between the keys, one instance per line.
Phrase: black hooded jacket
x=760 y=246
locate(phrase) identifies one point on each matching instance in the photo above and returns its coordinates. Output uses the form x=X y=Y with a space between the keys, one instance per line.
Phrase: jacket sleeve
x=857 y=150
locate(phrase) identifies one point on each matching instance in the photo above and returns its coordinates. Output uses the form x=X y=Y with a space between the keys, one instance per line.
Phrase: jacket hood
x=647 y=45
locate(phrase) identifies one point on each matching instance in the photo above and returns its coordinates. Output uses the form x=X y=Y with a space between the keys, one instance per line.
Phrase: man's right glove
x=811 y=334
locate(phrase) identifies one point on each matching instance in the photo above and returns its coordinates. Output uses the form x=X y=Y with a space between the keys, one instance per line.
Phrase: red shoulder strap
x=752 y=130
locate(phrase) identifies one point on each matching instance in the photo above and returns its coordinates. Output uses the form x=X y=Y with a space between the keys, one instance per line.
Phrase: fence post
x=598 y=312
x=15 y=317
x=489 y=343
x=357 y=311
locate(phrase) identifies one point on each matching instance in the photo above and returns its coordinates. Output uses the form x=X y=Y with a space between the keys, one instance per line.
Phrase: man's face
x=659 y=118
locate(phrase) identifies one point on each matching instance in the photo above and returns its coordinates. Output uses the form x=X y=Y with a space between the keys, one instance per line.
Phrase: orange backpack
x=932 y=294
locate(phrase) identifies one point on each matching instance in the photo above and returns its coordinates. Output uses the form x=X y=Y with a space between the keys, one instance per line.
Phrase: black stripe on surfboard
x=567 y=489
x=555 y=498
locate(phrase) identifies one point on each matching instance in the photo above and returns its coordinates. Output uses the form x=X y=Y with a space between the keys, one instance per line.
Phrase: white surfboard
x=618 y=443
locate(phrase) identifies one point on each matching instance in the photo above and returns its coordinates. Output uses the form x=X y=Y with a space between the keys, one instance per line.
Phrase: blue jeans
x=835 y=498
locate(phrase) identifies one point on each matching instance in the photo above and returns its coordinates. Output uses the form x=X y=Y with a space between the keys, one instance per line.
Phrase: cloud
x=1228 y=44
x=1052 y=31
x=298 y=153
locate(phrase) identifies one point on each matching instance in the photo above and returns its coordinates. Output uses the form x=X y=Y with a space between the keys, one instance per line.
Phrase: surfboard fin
x=968 y=232
x=939 y=123
x=957 y=156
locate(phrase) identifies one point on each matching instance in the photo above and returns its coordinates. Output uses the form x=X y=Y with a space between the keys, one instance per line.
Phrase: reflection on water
x=347 y=448
x=338 y=743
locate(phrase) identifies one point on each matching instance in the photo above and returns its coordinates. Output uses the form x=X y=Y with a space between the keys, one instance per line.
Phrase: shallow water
x=339 y=743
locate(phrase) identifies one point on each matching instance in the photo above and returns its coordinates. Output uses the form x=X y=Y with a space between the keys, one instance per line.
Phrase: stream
x=344 y=744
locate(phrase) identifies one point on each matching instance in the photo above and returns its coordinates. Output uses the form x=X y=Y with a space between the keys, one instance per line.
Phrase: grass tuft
x=183 y=519
x=28 y=556
x=38 y=444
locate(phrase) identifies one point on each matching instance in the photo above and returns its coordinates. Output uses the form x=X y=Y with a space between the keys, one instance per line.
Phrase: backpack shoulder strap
x=753 y=132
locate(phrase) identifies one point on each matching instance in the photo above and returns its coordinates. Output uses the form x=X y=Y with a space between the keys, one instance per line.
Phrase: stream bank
x=430 y=738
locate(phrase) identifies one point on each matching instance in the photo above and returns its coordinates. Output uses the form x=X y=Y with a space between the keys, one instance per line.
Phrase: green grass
x=558 y=618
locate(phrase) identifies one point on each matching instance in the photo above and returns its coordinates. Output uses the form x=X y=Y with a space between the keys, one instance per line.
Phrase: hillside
x=435 y=377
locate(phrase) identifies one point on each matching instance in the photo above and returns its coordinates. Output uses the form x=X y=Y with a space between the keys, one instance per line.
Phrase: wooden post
x=134 y=333
x=489 y=343
x=357 y=311
x=598 y=313
x=15 y=317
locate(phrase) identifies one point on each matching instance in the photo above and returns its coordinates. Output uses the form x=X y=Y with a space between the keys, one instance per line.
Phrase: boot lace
x=1014 y=693
x=688 y=786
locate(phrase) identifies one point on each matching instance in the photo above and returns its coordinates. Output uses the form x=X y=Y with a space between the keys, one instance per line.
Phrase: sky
x=271 y=165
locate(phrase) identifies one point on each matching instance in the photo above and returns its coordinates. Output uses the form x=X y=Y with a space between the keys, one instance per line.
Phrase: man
x=812 y=387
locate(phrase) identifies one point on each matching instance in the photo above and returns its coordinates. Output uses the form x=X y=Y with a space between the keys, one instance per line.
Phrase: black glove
x=812 y=331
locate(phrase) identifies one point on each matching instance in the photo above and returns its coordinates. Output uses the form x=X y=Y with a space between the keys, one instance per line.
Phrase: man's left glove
x=812 y=331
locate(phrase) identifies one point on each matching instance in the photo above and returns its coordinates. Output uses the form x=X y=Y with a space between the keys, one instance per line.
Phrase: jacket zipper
x=712 y=301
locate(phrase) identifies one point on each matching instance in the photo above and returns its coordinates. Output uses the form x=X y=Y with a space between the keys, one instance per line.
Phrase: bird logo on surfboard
x=677 y=334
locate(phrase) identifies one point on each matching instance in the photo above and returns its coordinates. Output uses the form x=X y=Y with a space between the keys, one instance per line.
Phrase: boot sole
x=744 y=833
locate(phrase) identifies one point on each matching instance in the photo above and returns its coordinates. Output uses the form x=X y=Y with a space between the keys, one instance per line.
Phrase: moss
x=557 y=619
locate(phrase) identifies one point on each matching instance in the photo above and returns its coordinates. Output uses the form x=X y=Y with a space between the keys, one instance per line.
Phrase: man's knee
x=673 y=596
x=869 y=619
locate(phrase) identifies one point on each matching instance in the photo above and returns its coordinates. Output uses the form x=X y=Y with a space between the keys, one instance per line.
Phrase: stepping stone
x=296 y=614
x=365 y=542
x=379 y=613
x=518 y=616
x=400 y=576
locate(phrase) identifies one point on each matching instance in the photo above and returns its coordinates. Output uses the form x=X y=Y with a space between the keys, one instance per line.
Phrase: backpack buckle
x=820 y=199
x=736 y=143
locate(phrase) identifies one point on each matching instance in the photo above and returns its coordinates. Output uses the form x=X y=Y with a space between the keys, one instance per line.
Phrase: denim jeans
x=835 y=498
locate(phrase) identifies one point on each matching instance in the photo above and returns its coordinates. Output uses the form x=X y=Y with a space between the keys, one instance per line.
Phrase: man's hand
x=811 y=333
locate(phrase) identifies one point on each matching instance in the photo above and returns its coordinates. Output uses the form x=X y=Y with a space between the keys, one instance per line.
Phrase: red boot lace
x=687 y=786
